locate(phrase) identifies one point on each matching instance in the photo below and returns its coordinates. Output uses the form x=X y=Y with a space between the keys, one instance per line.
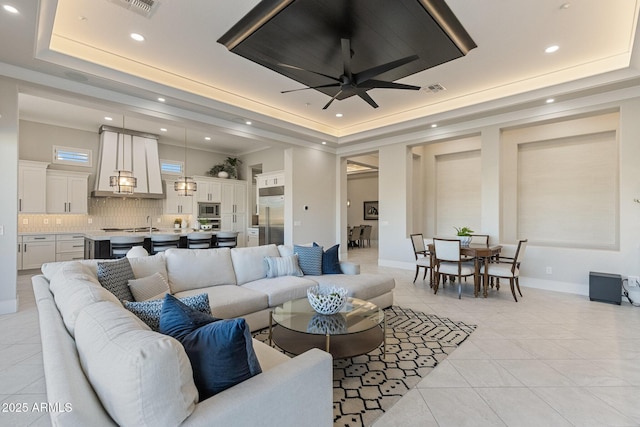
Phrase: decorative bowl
x=327 y=299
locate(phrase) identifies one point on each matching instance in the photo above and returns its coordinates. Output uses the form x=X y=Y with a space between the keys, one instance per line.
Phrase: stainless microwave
x=208 y=210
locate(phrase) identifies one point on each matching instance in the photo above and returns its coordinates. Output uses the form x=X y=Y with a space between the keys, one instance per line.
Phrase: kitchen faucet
x=149 y=220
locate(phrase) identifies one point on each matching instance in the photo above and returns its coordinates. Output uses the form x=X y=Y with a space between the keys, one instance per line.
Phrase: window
x=171 y=167
x=72 y=156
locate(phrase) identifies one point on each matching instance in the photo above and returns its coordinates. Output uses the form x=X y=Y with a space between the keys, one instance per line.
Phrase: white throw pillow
x=282 y=266
x=146 y=266
x=148 y=288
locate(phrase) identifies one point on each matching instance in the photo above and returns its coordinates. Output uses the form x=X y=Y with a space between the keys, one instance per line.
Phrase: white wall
x=570 y=266
x=361 y=188
x=9 y=209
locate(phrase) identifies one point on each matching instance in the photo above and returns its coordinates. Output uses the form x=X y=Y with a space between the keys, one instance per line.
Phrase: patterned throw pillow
x=114 y=276
x=310 y=259
x=149 y=311
x=220 y=351
x=150 y=287
x=282 y=266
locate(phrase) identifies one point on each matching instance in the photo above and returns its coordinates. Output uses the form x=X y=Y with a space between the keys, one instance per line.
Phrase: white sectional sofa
x=104 y=366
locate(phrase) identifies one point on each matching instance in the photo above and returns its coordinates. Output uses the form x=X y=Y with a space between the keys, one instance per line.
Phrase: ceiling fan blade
x=310 y=71
x=332 y=99
x=381 y=84
x=346 y=58
x=364 y=95
x=365 y=75
x=312 y=87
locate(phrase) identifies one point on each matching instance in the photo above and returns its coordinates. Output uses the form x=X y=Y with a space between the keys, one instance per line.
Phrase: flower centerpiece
x=327 y=299
x=226 y=169
x=464 y=234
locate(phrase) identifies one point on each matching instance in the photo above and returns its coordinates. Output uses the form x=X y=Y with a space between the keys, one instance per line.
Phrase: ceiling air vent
x=142 y=7
x=434 y=88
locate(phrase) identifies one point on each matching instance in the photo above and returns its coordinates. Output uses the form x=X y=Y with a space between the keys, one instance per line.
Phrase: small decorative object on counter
x=177 y=223
x=327 y=299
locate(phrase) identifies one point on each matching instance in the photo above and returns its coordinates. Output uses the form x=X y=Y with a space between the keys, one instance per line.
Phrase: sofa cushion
x=89 y=266
x=141 y=377
x=363 y=286
x=73 y=289
x=282 y=266
x=310 y=259
x=149 y=311
x=148 y=288
x=248 y=263
x=146 y=266
x=114 y=276
x=283 y=289
x=229 y=301
x=199 y=268
x=331 y=260
x=220 y=351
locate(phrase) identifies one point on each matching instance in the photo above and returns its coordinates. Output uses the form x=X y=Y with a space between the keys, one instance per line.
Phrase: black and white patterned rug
x=364 y=387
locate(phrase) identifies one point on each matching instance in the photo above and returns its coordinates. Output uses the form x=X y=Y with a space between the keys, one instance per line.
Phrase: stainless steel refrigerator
x=271 y=215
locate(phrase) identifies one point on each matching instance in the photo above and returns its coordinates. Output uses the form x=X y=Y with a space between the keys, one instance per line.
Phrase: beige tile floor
x=551 y=359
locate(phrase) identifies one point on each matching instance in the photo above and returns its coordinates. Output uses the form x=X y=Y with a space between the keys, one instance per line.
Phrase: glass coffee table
x=358 y=328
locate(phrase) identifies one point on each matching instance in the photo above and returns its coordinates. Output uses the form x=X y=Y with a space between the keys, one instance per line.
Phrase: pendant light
x=123 y=182
x=185 y=186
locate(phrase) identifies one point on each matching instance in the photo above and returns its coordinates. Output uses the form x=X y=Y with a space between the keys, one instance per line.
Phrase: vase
x=223 y=174
x=464 y=240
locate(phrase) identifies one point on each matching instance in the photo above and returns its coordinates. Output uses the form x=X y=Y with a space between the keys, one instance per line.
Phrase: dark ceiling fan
x=350 y=83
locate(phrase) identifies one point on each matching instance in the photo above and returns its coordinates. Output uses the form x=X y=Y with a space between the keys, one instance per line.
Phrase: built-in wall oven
x=209 y=216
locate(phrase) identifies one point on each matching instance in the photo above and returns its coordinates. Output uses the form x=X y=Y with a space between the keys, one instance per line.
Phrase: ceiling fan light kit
x=344 y=48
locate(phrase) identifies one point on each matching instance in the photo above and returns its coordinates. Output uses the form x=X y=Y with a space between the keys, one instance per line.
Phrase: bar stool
x=162 y=242
x=120 y=245
x=227 y=239
x=199 y=240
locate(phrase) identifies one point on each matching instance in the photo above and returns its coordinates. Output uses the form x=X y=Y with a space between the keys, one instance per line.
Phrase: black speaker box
x=605 y=287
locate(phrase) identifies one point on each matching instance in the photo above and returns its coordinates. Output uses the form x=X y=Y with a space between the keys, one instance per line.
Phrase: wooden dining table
x=480 y=253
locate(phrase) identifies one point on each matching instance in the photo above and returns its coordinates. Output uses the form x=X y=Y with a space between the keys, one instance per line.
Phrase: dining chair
x=508 y=268
x=480 y=239
x=365 y=236
x=356 y=232
x=449 y=262
x=423 y=257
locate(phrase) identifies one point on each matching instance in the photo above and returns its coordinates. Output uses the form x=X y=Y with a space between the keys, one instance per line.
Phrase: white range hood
x=129 y=150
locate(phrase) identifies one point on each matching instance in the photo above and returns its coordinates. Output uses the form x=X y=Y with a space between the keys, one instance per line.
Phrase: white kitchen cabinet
x=37 y=250
x=209 y=191
x=253 y=237
x=175 y=204
x=67 y=192
x=270 y=179
x=69 y=247
x=234 y=197
x=32 y=186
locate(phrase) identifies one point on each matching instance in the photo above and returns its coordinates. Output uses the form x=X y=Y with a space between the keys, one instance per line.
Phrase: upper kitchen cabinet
x=208 y=190
x=32 y=185
x=234 y=197
x=175 y=204
x=67 y=192
x=270 y=179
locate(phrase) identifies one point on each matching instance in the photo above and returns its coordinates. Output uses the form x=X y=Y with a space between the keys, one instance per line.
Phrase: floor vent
x=142 y=7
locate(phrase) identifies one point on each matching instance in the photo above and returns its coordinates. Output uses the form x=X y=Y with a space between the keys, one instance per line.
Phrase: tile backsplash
x=103 y=212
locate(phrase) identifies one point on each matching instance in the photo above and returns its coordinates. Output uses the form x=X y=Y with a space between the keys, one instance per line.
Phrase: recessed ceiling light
x=552 y=49
x=550 y=100
x=339 y=115
x=207 y=138
x=434 y=125
x=247 y=122
x=565 y=6
x=82 y=18
x=137 y=37
x=324 y=142
x=161 y=99
x=10 y=9
x=107 y=118
x=163 y=129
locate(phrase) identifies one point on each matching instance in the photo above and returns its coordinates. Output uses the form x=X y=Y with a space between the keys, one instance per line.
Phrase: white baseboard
x=525 y=282
x=9 y=306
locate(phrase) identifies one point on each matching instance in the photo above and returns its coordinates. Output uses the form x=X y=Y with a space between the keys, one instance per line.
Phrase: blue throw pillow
x=330 y=260
x=220 y=351
x=309 y=259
